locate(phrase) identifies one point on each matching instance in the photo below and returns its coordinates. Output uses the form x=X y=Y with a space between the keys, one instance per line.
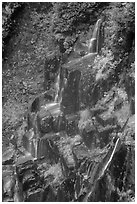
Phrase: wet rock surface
x=67 y=152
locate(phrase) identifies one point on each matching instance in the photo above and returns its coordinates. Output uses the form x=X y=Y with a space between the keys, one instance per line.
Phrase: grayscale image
x=68 y=101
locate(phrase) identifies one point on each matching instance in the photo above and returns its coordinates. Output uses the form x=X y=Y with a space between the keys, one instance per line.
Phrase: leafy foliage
x=8 y=9
x=103 y=170
x=115 y=63
x=120 y=27
x=71 y=19
x=75 y=14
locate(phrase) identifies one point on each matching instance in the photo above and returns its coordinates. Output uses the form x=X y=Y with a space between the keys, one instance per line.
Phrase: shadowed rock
x=49 y=115
x=70 y=96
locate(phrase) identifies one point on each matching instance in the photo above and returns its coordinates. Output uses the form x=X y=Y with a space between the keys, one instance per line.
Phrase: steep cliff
x=68 y=102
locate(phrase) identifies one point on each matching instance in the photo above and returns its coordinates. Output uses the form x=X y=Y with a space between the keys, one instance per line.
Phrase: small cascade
x=60 y=84
x=57 y=87
x=35 y=142
x=54 y=116
x=94 y=41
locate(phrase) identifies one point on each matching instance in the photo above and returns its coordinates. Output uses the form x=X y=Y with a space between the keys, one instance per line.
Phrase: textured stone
x=70 y=95
x=8 y=155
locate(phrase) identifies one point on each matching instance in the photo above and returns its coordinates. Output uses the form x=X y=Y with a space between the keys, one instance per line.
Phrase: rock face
x=52 y=64
x=52 y=117
x=71 y=153
x=70 y=95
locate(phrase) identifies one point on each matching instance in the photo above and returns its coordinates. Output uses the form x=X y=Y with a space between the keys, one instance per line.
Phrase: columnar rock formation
x=53 y=115
x=67 y=144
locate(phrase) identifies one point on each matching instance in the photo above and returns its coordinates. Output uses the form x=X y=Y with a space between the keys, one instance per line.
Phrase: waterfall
x=60 y=84
x=93 y=46
x=57 y=87
x=35 y=143
x=67 y=96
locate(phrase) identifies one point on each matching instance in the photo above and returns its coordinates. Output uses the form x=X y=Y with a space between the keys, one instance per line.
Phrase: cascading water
x=57 y=87
x=60 y=136
x=94 y=41
x=70 y=94
x=66 y=102
x=93 y=48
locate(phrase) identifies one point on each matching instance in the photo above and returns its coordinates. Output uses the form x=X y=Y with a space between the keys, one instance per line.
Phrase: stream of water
x=66 y=101
x=93 y=48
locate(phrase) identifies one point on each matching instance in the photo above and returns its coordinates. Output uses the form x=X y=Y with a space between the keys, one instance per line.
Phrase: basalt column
x=70 y=95
x=48 y=117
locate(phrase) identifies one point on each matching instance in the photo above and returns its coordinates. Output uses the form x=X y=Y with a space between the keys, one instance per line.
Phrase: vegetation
x=88 y=155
